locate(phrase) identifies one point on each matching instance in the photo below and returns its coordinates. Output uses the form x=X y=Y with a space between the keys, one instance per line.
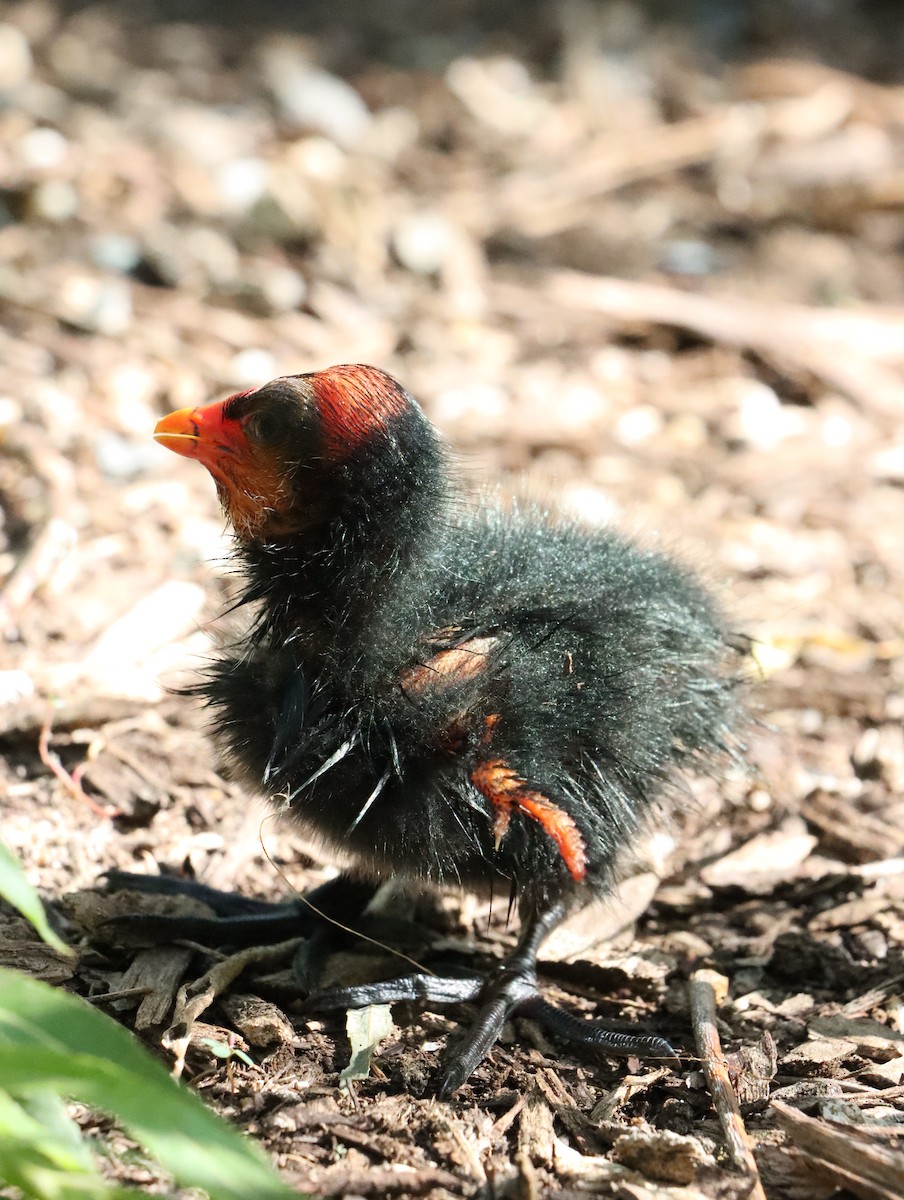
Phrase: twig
x=847 y=350
x=27 y=716
x=845 y=1153
x=193 y=999
x=71 y=782
x=705 y=987
x=543 y=202
x=51 y=547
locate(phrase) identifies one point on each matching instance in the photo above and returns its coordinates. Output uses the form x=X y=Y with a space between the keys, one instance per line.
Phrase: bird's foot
x=511 y=991
x=238 y=921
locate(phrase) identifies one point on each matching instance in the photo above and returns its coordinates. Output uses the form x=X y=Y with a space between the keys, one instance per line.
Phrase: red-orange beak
x=251 y=482
x=180 y=431
x=204 y=433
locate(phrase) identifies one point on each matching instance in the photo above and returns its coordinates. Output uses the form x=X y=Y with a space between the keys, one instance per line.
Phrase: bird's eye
x=264 y=427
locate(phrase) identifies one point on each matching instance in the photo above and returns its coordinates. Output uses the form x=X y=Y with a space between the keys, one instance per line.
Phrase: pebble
x=612 y=365
x=888 y=464
x=392 y=132
x=115 y=252
x=10 y=412
x=42 y=149
x=836 y=431
x=122 y=459
x=270 y=288
x=241 y=182
x=479 y=409
x=763 y=421
x=96 y=305
x=285 y=212
x=252 y=367
x=57 y=408
x=685 y=256
x=15 y=686
x=214 y=253
x=591 y=504
x=423 y=242
x=580 y=406
x=688 y=431
x=43 y=102
x=55 y=200
x=129 y=390
x=318 y=159
x=207 y=136
x=638 y=424
x=15 y=59
x=313 y=98
x=199 y=257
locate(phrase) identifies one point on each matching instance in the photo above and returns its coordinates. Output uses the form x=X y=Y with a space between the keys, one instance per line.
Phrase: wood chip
x=851 y=1156
x=261 y=1023
x=856 y=836
x=160 y=969
x=535 y=1128
x=662 y=1155
x=764 y=860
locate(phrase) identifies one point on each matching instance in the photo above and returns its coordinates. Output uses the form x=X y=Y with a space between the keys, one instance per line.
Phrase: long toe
x=415 y=989
x=224 y=904
x=592 y=1033
x=239 y=921
x=250 y=929
x=512 y=991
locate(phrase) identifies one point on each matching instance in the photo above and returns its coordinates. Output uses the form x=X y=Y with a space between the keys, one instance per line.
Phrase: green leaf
x=22 y=1122
x=16 y=889
x=52 y=1040
x=366 y=1028
x=223 y=1050
x=43 y=1154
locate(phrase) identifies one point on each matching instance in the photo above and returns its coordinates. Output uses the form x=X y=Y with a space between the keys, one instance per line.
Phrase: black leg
x=511 y=990
x=239 y=921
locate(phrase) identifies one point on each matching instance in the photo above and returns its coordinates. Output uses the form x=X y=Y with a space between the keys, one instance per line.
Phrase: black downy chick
x=456 y=695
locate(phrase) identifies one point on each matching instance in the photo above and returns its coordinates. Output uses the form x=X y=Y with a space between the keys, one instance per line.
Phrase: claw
x=512 y=991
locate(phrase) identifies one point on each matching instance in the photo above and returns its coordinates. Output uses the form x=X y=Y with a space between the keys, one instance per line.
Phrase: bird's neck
x=375 y=529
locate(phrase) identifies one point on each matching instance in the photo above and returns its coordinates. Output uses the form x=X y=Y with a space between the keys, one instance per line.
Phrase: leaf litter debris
x=662 y=288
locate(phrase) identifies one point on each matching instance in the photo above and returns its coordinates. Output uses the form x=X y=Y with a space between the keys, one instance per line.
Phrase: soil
x=651 y=271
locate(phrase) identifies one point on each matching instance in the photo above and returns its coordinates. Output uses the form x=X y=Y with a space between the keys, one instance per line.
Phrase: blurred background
x=642 y=258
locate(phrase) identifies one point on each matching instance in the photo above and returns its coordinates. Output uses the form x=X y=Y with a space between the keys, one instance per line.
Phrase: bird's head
x=282 y=454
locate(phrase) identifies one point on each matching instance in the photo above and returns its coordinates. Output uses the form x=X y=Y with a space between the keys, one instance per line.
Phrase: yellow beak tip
x=178 y=432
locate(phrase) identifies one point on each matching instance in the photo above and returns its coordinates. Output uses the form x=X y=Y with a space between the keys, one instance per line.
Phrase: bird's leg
x=240 y=920
x=511 y=990
x=513 y=983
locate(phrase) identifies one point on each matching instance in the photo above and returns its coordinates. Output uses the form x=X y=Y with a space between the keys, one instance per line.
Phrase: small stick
x=51 y=547
x=706 y=986
x=194 y=998
x=851 y=352
x=72 y=783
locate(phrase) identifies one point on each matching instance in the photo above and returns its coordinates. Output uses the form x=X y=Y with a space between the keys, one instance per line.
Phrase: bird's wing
x=458 y=663
x=461 y=660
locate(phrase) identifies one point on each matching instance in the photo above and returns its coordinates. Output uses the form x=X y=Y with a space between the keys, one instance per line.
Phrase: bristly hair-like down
x=601 y=668
x=448 y=693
